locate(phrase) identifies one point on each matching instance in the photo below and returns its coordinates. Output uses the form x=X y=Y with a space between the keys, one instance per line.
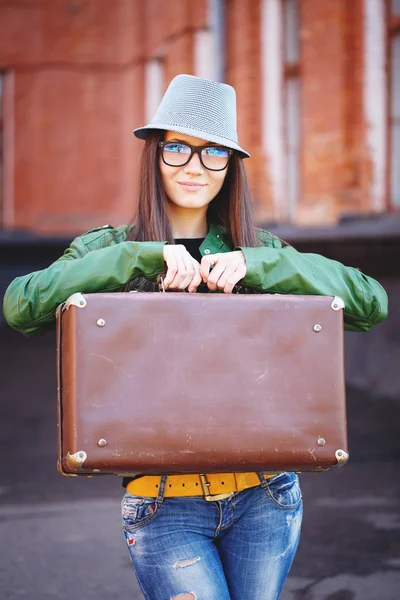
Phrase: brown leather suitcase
x=200 y=383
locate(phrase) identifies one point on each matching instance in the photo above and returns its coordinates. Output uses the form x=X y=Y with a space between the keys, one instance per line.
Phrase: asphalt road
x=60 y=538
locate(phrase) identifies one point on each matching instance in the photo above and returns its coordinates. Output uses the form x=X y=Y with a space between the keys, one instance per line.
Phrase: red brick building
x=318 y=90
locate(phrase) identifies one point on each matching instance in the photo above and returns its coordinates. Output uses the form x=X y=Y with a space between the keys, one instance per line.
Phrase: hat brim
x=143 y=132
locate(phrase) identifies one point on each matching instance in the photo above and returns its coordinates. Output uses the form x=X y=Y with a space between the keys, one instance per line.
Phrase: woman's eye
x=179 y=148
x=216 y=151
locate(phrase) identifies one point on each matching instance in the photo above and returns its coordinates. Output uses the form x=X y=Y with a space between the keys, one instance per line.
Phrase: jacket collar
x=215 y=240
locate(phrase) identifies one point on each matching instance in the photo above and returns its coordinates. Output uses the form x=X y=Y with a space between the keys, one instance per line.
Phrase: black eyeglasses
x=213 y=158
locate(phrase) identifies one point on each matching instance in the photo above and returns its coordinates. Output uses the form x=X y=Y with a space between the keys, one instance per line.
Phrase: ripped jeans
x=239 y=548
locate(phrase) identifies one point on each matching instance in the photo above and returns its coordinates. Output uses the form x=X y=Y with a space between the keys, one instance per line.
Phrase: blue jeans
x=240 y=548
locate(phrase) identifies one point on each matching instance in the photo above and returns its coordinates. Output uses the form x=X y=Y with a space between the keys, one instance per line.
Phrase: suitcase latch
x=342 y=457
x=74 y=300
x=337 y=303
x=75 y=461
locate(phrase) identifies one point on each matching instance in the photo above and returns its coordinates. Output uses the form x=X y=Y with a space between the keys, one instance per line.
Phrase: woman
x=194 y=223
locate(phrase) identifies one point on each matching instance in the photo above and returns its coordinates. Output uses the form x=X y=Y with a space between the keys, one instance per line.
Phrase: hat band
x=190 y=121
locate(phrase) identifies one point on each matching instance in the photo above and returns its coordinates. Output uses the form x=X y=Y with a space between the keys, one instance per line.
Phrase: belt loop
x=240 y=480
x=264 y=482
x=161 y=491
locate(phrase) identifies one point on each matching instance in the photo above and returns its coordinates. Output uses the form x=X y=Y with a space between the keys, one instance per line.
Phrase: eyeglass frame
x=194 y=150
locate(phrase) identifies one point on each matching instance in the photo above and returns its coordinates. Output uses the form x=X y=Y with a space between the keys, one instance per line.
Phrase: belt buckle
x=211 y=497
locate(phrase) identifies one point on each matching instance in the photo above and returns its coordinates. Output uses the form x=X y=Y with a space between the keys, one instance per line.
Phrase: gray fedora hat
x=200 y=108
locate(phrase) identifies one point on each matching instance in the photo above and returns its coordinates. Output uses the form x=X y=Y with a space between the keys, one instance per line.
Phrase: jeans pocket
x=138 y=511
x=284 y=490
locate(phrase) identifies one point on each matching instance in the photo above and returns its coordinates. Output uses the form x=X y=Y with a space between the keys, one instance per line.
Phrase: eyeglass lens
x=213 y=157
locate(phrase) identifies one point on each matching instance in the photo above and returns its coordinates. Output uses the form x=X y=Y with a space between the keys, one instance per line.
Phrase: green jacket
x=101 y=260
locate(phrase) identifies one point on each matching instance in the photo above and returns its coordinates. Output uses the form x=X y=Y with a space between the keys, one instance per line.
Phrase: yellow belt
x=214 y=486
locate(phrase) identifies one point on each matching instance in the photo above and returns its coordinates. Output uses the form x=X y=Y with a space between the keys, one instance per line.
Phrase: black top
x=192 y=245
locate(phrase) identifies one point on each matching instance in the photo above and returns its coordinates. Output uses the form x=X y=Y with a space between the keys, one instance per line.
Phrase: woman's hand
x=228 y=269
x=183 y=271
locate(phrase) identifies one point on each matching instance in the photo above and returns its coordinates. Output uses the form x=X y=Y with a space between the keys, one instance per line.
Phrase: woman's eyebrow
x=184 y=142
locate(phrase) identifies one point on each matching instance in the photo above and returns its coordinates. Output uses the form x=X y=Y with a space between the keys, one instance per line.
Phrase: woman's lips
x=191 y=187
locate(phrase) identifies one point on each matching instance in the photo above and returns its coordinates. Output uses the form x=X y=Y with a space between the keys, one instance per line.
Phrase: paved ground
x=61 y=537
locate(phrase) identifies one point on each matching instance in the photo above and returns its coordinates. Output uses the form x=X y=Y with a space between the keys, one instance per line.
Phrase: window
x=394 y=103
x=154 y=87
x=210 y=43
x=280 y=61
x=291 y=27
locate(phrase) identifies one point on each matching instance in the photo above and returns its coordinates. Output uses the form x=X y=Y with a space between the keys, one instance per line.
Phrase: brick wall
x=243 y=72
x=78 y=91
x=333 y=157
x=78 y=73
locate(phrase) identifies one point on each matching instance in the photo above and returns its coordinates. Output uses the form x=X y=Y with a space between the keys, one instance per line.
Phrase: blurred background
x=318 y=93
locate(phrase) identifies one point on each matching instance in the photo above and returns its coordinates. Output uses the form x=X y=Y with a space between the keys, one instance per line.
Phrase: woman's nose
x=194 y=165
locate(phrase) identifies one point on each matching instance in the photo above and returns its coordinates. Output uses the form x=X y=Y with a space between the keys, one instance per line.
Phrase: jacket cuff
x=149 y=257
x=254 y=270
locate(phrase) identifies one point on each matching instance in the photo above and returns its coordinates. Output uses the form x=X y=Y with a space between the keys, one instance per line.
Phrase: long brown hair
x=232 y=207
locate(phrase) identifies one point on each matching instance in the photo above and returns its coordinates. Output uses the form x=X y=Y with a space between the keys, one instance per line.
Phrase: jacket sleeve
x=30 y=301
x=287 y=271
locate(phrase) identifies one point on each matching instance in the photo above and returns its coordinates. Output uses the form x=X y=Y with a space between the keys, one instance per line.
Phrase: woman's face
x=190 y=186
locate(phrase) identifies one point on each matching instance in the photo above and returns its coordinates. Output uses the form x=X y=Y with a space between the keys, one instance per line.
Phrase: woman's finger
x=206 y=263
x=178 y=270
x=172 y=267
x=180 y=274
x=189 y=271
x=178 y=263
x=228 y=272
x=212 y=281
x=234 y=279
x=197 y=279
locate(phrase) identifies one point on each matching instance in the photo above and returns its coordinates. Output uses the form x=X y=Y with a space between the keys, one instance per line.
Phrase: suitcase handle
x=161 y=287
x=160 y=281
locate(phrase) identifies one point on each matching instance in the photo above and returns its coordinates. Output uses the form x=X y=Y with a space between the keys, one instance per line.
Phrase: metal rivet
x=337 y=303
x=101 y=322
x=321 y=441
x=207 y=251
x=81 y=454
x=102 y=442
x=317 y=327
x=82 y=303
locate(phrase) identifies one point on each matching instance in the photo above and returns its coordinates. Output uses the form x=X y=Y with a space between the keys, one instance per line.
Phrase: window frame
x=292 y=72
